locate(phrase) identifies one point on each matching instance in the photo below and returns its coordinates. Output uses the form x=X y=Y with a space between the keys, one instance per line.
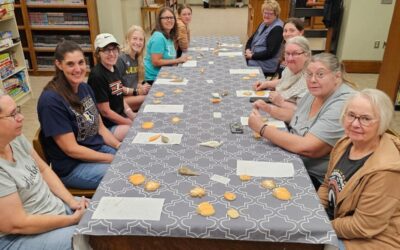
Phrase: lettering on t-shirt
x=88 y=121
x=32 y=176
x=116 y=87
x=131 y=70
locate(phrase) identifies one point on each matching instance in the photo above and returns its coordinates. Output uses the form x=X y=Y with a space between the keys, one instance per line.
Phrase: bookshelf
x=43 y=23
x=14 y=78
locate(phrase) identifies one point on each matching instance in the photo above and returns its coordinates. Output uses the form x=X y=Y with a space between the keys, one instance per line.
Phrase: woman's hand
x=259 y=85
x=144 y=88
x=77 y=215
x=276 y=98
x=75 y=204
x=248 y=54
x=183 y=59
x=255 y=120
x=260 y=104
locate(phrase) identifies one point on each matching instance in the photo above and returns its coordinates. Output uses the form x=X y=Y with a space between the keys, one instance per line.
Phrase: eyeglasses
x=269 y=13
x=110 y=50
x=294 y=54
x=318 y=75
x=364 y=120
x=13 y=114
x=170 y=18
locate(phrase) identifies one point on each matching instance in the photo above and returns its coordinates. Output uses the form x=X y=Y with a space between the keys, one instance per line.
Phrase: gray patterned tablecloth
x=262 y=217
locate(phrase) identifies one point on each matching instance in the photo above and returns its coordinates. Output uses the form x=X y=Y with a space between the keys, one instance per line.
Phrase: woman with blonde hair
x=292 y=86
x=183 y=32
x=130 y=65
x=262 y=48
x=360 y=192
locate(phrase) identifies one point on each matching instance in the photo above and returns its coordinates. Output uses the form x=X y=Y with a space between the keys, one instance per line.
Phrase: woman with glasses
x=314 y=127
x=36 y=210
x=183 y=32
x=77 y=144
x=130 y=65
x=292 y=86
x=108 y=87
x=160 y=48
x=360 y=192
x=262 y=48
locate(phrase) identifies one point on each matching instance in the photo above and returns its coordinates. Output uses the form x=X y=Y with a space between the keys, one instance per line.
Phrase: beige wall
x=364 y=22
x=116 y=16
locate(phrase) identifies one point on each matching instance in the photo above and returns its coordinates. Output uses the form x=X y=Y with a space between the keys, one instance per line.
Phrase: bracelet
x=262 y=129
x=134 y=92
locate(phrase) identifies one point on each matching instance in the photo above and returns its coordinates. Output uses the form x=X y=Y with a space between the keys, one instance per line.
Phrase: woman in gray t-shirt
x=315 y=126
x=35 y=207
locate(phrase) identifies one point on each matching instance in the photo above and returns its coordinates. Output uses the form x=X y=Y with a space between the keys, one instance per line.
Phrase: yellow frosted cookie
x=154 y=137
x=178 y=91
x=281 y=193
x=151 y=186
x=260 y=93
x=175 y=119
x=197 y=192
x=205 y=209
x=159 y=94
x=229 y=196
x=246 y=93
x=156 y=101
x=137 y=179
x=246 y=78
x=253 y=74
x=269 y=184
x=147 y=125
x=232 y=213
x=245 y=177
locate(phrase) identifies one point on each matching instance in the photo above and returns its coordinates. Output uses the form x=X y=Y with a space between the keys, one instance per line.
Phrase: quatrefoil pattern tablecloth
x=262 y=217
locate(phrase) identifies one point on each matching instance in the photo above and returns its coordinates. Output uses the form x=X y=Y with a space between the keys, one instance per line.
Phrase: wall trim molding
x=362 y=66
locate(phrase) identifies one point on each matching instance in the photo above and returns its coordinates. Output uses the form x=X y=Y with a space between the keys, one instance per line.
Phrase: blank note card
x=264 y=169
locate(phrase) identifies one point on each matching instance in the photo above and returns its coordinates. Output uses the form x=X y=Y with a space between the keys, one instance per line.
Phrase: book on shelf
x=16 y=84
x=6 y=65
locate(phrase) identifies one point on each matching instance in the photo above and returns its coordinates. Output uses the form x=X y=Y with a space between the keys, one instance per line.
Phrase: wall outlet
x=376 y=44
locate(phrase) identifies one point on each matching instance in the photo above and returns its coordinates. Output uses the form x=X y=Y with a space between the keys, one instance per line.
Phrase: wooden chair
x=37 y=145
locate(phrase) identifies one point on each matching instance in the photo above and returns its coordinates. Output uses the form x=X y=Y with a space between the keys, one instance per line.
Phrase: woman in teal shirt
x=160 y=48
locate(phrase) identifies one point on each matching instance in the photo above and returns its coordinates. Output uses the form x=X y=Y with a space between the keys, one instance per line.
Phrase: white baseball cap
x=104 y=39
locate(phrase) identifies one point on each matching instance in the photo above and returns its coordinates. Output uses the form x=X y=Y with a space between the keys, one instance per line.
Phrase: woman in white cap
x=107 y=84
x=161 y=49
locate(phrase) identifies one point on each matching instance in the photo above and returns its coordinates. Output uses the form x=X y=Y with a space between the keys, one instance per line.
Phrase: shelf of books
x=14 y=78
x=44 y=23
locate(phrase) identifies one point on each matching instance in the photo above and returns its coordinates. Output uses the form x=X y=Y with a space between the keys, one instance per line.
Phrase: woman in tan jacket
x=183 y=32
x=360 y=192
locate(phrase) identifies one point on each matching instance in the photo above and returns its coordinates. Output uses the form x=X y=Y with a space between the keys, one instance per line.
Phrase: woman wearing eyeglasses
x=160 y=48
x=36 y=210
x=292 y=86
x=108 y=86
x=314 y=127
x=360 y=192
x=77 y=144
x=262 y=48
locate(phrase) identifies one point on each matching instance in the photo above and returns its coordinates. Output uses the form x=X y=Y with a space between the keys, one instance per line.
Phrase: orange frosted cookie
x=159 y=94
x=137 y=179
x=281 y=193
x=197 y=192
x=147 y=125
x=245 y=177
x=229 y=196
x=260 y=93
x=154 y=137
x=205 y=209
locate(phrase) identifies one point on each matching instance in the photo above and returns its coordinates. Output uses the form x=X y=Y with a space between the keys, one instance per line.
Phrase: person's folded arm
x=183 y=40
x=67 y=143
x=14 y=219
x=375 y=208
x=273 y=45
x=108 y=137
x=308 y=145
x=158 y=61
x=106 y=111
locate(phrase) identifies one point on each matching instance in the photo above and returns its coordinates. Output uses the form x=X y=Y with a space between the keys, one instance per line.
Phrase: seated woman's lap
x=87 y=175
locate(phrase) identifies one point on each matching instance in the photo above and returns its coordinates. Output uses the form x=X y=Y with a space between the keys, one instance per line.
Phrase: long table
x=264 y=223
